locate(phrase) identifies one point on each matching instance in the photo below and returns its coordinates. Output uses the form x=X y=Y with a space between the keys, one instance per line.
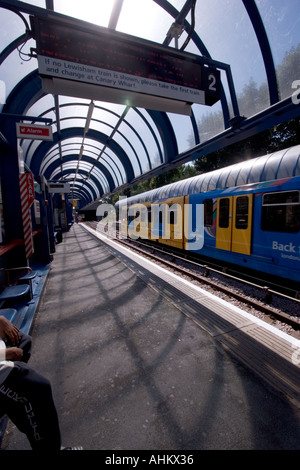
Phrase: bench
x=25 y=275
x=19 y=285
x=9 y=313
x=15 y=293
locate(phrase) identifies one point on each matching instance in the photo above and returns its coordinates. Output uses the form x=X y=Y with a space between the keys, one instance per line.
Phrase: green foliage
x=279 y=137
x=288 y=71
x=251 y=101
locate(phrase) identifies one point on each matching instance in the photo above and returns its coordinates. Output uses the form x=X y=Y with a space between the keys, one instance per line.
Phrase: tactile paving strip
x=267 y=355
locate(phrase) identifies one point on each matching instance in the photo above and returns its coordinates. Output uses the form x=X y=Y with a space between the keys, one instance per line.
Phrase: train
x=246 y=214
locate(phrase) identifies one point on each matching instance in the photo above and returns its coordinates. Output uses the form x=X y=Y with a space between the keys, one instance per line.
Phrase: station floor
x=130 y=371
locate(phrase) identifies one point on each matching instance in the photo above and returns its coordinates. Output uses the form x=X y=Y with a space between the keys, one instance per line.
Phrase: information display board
x=112 y=60
x=59 y=187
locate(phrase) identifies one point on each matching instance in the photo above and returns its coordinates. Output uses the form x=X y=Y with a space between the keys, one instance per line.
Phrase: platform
x=137 y=363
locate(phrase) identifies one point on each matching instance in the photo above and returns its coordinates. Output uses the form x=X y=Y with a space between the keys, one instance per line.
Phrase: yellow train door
x=234 y=223
x=224 y=223
x=242 y=224
x=172 y=217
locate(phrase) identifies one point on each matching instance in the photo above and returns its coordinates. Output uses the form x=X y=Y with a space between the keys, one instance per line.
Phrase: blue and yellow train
x=247 y=214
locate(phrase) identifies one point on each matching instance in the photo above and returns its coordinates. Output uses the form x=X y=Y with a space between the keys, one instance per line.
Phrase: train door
x=156 y=221
x=224 y=223
x=234 y=224
x=242 y=224
x=172 y=222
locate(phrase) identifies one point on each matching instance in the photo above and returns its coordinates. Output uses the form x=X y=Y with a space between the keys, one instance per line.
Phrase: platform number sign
x=110 y=60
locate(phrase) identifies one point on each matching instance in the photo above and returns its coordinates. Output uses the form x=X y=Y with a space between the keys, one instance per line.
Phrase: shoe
x=72 y=448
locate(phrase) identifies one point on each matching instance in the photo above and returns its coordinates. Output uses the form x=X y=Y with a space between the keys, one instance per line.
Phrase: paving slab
x=130 y=371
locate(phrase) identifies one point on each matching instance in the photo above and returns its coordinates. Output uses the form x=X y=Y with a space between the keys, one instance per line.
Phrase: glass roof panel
x=227 y=33
x=117 y=171
x=41 y=106
x=91 y=11
x=16 y=27
x=29 y=147
x=282 y=24
x=182 y=126
x=37 y=3
x=67 y=122
x=210 y=122
x=224 y=32
x=134 y=150
x=110 y=160
x=146 y=19
x=15 y=68
x=151 y=128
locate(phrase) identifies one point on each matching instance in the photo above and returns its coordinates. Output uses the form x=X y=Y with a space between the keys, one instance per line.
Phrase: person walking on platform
x=25 y=395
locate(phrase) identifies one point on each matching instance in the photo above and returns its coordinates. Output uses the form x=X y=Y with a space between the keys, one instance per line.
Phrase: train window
x=144 y=216
x=136 y=214
x=172 y=217
x=130 y=217
x=208 y=212
x=281 y=212
x=241 y=215
x=172 y=213
x=160 y=216
x=149 y=214
x=154 y=213
x=224 y=213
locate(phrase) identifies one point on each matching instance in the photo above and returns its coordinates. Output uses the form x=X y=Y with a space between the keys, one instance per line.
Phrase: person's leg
x=24 y=343
x=27 y=399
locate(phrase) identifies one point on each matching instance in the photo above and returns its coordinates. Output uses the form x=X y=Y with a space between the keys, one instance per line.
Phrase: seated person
x=25 y=395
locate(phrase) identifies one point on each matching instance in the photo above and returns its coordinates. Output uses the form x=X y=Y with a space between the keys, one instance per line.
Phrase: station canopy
x=106 y=137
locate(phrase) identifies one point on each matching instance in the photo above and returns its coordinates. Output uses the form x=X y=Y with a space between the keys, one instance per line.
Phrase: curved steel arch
x=115 y=148
x=28 y=91
x=167 y=134
x=152 y=132
x=180 y=17
x=53 y=166
x=75 y=156
x=45 y=146
x=160 y=119
x=260 y=32
x=52 y=173
x=12 y=46
x=265 y=48
x=125 y=138
x=87 y=196
x=86 y=182
x=163 y=4
x=88 y=189
x=122 y=135
x=63 y=105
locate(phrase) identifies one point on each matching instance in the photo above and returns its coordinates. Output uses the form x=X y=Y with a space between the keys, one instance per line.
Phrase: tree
x=288 y=71
x=252 y=100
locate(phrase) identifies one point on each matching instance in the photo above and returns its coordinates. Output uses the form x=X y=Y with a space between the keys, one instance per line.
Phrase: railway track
x=261 y=296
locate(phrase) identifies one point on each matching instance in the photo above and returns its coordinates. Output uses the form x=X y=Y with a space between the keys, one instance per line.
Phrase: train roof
x=281 y=164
